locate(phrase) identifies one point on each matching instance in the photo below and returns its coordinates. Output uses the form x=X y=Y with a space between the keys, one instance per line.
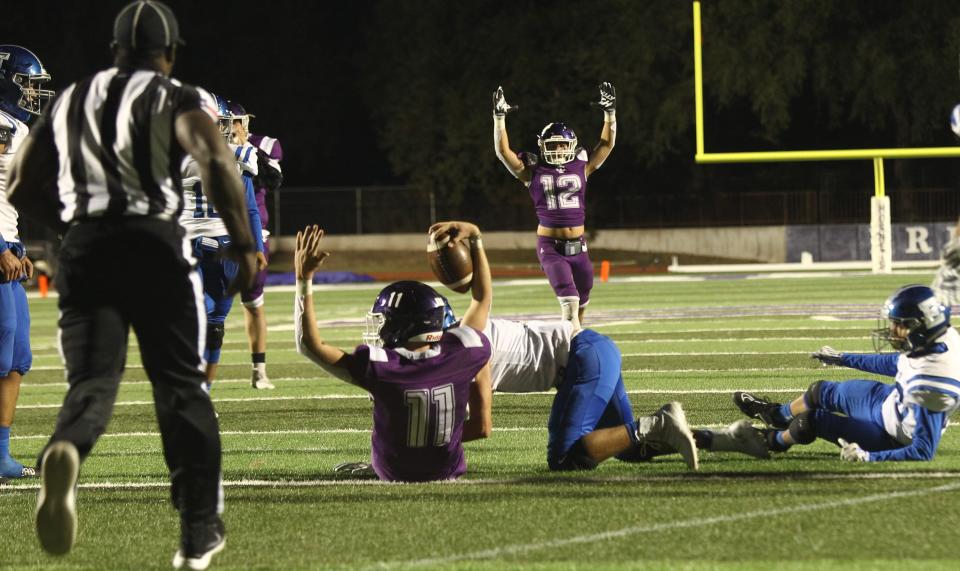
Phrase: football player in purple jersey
x=268 y=178
x=557 y=181
x=419 y=374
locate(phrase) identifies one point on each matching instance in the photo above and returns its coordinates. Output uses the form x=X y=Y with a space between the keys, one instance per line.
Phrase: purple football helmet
x=21 y=75
x=407 y=311
x=558 y=144
x=237 y=111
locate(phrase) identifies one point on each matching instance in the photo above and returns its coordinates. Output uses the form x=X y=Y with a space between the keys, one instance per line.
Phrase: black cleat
x=199 y=542
x=759 y=408
x=770 y=436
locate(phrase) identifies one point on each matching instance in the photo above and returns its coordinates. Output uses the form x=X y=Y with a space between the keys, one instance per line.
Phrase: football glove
x=946 y=284
x=500 y=106
x=827 y=355
x=851 y=452
x=608 y=97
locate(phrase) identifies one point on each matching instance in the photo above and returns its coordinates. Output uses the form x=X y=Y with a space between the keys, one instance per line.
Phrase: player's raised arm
x=608 y=135
x=501 y=143
x=482 y=288
x=307 y=260
x=480 y=423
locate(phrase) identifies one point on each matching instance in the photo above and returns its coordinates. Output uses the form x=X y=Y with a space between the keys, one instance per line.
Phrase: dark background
x=394 y=92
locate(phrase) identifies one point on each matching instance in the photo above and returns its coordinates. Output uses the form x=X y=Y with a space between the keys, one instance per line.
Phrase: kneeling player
x=880 y=421
x=421 y=376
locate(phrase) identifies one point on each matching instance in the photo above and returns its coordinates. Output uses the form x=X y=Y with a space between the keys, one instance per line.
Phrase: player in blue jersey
x=873 y=421
x=420 y=375
x=21 y=98
x=557 y=182
x=208 y=234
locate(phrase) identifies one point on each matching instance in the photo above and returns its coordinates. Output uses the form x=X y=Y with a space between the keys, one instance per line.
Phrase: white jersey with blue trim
x=527 y=356
x=199 y=217
x=931 y=381
x=246 y=155
x=17 y=131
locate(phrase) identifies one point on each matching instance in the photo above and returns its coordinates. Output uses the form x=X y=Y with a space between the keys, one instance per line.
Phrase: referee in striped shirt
x=103 y=166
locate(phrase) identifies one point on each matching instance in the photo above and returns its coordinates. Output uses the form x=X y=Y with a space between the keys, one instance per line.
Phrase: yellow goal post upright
x=881 y=235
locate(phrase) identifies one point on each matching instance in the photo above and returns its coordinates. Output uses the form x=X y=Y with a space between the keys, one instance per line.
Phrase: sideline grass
x=510 y=512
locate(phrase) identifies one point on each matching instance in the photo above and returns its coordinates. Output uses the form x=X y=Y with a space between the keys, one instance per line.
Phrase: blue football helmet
x=407 y=311
x=21 y=75
x=558 y=144
x=916 y=308
x=224 y=118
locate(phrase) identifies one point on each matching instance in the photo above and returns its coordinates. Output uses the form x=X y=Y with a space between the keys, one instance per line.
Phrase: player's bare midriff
x=565 y=233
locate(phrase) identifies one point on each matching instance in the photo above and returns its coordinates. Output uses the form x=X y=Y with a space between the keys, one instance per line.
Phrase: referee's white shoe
x=56 y=516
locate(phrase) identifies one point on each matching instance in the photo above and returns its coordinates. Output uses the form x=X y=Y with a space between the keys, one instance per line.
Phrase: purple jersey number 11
x=420 y=403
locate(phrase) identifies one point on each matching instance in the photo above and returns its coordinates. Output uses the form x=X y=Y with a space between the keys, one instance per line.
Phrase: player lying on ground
x=421 y=376
x=539 y=355
x=878 y=421
x=557 y=182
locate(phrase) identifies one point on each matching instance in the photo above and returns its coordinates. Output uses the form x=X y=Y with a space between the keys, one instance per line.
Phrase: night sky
x=293 y=64
x=397 y=92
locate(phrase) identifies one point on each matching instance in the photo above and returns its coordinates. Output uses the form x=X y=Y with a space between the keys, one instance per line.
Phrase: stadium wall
x=757 y=243
x=770 y=244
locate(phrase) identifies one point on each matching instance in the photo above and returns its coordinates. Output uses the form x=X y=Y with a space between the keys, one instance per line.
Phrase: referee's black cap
x=146 y=25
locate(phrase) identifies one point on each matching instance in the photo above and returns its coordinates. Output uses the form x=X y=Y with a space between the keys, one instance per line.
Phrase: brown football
x=453 y=266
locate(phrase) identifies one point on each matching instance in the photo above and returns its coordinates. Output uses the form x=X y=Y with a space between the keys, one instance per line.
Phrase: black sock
x=258 y=357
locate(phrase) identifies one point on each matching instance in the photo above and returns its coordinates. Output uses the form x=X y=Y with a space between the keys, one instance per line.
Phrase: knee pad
x=803 y=428
x=575 y=459
x=812 y=396
x=214 y=336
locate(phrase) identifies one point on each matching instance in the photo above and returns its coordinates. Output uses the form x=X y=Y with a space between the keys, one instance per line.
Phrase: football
x=453 y=266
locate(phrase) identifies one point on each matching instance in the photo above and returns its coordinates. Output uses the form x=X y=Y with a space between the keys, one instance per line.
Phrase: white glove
x=500 y=105
x=851 y=452
x=955 y=120
x=608 y=97
x=827 y=355
x=946 y=283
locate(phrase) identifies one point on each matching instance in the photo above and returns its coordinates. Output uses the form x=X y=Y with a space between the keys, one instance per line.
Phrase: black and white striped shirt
x=115 y=141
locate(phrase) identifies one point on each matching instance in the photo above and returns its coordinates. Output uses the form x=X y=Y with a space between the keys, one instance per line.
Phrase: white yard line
x=364 y=396
x=522 y=548
x=538 y=479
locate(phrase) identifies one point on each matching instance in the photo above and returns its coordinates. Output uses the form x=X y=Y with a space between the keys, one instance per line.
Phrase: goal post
x=881 y=235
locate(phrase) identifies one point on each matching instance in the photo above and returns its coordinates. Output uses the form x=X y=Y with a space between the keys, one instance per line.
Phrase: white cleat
x=260 y=381
x=669 y=426
x=741 y=436
x=56 y=515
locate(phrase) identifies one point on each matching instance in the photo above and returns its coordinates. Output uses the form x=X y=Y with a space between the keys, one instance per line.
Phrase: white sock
x=570 y=311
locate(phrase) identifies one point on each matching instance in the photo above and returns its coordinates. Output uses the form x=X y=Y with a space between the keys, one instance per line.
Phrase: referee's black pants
x=134 y=272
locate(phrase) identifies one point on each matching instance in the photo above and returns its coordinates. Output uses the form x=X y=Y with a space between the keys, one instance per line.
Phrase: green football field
x=692 y=340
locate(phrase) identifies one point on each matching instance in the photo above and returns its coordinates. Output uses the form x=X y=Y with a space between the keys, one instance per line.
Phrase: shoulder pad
x=530 y=159
x=581 y=154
